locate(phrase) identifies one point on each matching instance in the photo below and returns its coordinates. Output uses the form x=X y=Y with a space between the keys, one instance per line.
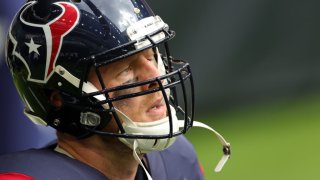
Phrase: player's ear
x=56 y=99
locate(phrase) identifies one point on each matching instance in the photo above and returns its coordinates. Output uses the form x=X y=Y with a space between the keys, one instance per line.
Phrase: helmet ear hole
x=56 y=99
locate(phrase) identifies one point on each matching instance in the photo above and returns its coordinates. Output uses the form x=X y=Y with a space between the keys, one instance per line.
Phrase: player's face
x=139 y=67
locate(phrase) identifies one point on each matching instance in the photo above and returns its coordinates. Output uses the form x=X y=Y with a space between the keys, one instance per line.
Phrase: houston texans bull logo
x=42 y=51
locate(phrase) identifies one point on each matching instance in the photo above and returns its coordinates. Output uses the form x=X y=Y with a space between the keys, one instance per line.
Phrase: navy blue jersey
x=177 y=162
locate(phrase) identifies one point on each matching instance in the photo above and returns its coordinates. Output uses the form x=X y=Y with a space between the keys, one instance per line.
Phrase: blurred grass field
x=279 y=140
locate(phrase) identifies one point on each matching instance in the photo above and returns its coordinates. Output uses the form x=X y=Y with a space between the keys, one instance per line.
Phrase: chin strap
x=225 y=144
x=137 y=158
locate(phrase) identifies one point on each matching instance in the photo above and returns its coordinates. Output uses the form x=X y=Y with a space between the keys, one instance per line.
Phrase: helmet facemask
x=166 y=85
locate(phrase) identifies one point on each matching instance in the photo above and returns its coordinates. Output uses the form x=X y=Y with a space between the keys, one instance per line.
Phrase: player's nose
x=148 y=70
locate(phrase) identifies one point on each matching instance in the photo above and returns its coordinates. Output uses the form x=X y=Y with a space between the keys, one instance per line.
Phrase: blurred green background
x=277 y=141
x=256 y=66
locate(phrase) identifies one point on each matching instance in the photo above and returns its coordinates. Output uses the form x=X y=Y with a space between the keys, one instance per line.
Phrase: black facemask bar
x=178 y=74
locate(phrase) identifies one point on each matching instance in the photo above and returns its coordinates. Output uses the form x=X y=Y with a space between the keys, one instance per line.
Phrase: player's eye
x=125 y=71
x=125 y=74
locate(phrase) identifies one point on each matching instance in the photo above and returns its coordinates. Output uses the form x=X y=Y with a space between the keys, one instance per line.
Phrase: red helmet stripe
x=59 y=28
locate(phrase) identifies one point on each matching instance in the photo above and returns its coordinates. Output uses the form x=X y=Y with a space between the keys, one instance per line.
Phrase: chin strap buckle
x=227 y=150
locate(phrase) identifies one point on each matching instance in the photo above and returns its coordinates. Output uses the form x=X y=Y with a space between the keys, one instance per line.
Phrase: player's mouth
x=158 y=109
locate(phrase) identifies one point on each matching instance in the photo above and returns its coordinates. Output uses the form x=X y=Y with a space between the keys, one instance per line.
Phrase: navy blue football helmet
x=53 y=44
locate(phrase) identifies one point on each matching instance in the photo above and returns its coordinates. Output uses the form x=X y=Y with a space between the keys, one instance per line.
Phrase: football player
x=101 y=73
